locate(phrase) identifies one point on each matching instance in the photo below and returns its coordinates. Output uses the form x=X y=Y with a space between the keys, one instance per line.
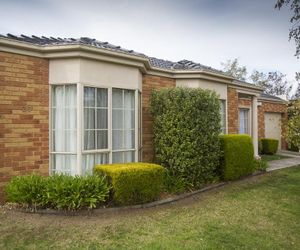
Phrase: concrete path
x=283 y=163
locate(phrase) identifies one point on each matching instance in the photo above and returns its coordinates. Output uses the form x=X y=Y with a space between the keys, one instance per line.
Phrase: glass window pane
x=129 y=99
x=89 y=97
x=58 y=141
x=117 y=119
x=57 y=96
x=129 y=139
x=102 y=119
x=90 y=160
x=129 y=119
x=102 y=98
x=70 y=165
x=71 y=96
x=102 y=139
x=129 y=156
x=58 y=163
x=70 y=141
x=70 y=118
x=89 y=118
x=117 y=98
x=117 y=139
x=58 y=118
x=89 y=140
x=117 y=157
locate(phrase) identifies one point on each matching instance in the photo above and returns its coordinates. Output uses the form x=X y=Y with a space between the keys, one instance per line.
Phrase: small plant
x=58 y=191
x=269 y=146
x=260 y=165
x=133 y=183
x=175 y=184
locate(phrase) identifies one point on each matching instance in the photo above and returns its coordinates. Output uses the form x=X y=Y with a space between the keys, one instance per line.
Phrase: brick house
x=66 y=104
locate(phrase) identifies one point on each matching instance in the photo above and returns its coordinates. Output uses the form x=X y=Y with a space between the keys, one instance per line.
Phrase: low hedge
x=269 y=146
x=58 y=191
x=238 y=156
x=133 y=183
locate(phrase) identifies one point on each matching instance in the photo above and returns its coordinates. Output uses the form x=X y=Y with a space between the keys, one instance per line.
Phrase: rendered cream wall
x=94 y=72
x=220 y=88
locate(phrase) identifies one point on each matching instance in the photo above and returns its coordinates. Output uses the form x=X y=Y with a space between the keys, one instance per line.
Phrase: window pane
x=102 y=119
x=129 y=119
x=129 y=99
x=58 y=163
x=89 y=97
x=102 y=139
x=117 y=139
x=58 y=141
x=70 y=96
x=70 y=118
x=117 y=98
x=70 y=165
x=90 y=160
x=117 y=157
x=102 y=98
x=89 y=140
x=129 y=139
x=129 y=156
x=117 y=119
x=57 y=96
x=89 y=118
x=70 y=141
x=58 y=118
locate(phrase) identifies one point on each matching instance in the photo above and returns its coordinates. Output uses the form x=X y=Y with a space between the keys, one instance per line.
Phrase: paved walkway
x=283 y=163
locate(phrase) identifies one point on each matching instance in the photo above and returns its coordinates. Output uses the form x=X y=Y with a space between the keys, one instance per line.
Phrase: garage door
x=273 y=126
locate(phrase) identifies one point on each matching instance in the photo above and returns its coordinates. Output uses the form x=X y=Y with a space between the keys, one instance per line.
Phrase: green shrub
x=174 y=184
x=260 y=165
x=133 y=183
x=259 y=147
x=186 y=125
x=238 y=156
x=269 y=146
x=58 y=191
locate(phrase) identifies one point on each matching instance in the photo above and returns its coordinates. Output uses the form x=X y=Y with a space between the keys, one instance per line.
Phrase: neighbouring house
x=68 y=104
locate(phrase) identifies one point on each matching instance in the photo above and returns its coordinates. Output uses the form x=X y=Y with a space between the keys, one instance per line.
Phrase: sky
x=204 y=31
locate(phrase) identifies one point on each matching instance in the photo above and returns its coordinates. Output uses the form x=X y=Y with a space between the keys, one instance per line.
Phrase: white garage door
x=273 y=126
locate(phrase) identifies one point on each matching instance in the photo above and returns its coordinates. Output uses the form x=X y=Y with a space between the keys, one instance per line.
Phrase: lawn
x=261 y=212
x=273 y=157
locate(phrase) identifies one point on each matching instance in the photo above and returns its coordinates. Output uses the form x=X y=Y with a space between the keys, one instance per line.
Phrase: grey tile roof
x=263 y=95
x=155 y=62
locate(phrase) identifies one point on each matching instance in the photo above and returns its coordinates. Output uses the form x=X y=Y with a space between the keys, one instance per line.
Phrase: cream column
x=255 y=125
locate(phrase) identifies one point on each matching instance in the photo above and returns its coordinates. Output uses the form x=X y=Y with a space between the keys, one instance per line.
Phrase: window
x=123 y=125
x=244 y=121
x=64 y=139
x=109 y=127
x=223 y=116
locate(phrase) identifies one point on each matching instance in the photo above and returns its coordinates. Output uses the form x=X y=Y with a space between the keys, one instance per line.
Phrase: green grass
x=273 y=157
x=262 y=212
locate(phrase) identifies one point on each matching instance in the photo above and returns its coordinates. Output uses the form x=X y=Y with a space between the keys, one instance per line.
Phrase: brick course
x=24 y=116
x=232 y=110
x=150 y=82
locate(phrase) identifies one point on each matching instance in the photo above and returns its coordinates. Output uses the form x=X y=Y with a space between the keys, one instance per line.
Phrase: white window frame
x=225 y=113
x=248 y=109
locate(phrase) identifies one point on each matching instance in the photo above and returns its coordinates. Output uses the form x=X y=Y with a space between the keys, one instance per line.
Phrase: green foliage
x=234 y=69
x=292 y=133
x=261 y=165
x=238 y=156
x=58 y=191
x=259 y=147
x=133 y=183
x=186 y=125
x=269 y=146
x=175 y=184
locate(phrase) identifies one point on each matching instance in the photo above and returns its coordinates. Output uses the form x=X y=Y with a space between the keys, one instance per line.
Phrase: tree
x=292 y=133
x=274 y=83
x=233 y=68
x=297 y=93
x=295 y=20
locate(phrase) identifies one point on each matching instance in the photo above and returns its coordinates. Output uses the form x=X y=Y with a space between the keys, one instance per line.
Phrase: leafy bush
x=58 y=191
x=186 y=125
x=260 y=165
x=259 y=147
x=175 y=184
x=133 y=183
x=238 y=156
x=269 y=146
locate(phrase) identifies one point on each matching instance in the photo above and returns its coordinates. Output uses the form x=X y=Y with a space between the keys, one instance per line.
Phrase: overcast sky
x=204 y=31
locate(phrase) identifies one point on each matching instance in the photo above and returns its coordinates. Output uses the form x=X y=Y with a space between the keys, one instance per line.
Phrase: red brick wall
x=150 y=82
x=275 y=108
x=232 y=109
x=24 y=112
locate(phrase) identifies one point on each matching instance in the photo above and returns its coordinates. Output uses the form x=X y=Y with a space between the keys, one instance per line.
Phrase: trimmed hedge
x=186 y=126
x=238 y=156
x=133 y=183
x=58 y=191
x=269 y=146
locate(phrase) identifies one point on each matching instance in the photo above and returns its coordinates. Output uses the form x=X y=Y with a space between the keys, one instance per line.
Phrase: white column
x=255 y=125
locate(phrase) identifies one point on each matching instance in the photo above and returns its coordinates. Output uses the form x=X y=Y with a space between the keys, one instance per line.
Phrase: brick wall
x=149 y=83
x=24 y=112
x=232 y=110
x=275 y=108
